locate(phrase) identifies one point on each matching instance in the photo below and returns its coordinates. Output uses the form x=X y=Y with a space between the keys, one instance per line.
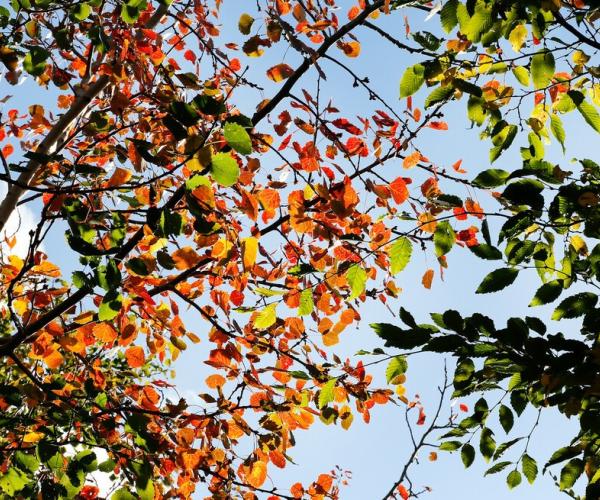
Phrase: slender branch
x=57 y=132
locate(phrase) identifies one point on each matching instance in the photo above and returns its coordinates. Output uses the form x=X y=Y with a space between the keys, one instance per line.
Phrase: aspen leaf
x=257 y=475
x=400 y=253
x=249 y=251
x=184 y=258
x=266 y=317
x=135 y=356
x=280 y=72
x=119 y=177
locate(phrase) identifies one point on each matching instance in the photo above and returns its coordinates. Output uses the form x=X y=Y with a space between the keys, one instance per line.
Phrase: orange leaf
x=7 y=150
x=54 y=359
x=411 y=160
x=428 y=278
x=457 y=167
x=351 y=49
x=185 y=258
x=399 y=190
x=277 y=458
x=119 y=177
x=257 y=475
x=214 y=381
x=280 y=72
x=135 y=356
x=438 y=125
x=104 y=332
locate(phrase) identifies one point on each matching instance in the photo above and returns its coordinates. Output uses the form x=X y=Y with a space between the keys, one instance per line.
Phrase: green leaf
x=448 y=16
x=587 y=110
x=570 y=473
x=575 y=306
x=13 y=481
x=558 y=131
x=502 y=141
x=400 y=253
x=562 y=454
x=440 y=94
x=80 y=11
x=547 y=293
x=357 y=279
x=529 y=468
x=412 y=80
x=27 y=462
x=397 y=366
x=34 y=61
x=402 y=339
x=522 y=75
x=513 y=479
x=497 y=280
x=306 y=302
x=266 y=317
x=443 y=238
x=491 y=178
x=110 y=306
x=224 y=169
x=450 y=446
x=484 y=251
x=487 y=444
x=498 y=467
x=237 y=137
x=542 y=69
x=506 y=418
x=122 y=494
x=467 y=455
x=326 y=395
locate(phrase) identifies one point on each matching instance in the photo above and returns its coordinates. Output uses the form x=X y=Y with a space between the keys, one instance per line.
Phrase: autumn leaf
x=119 y=177
x=249 y=251
x=257 y=475
x=280 y=72
x=135 y=356
x=185 y=258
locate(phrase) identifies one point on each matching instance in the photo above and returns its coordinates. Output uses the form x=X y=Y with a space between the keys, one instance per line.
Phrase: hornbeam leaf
x=575 y=306
x=357 y=279
x=412 y=80
x=224 y=169
x=400 y=253
x=397 y=366
x=529 y=468
x=326 y=395
x=497 y=280
x=266 y=317
x=547 y=293
x=237 y=137
x=542 y=69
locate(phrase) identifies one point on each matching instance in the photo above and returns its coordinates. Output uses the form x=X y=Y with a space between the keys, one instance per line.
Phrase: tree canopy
x=273 y=230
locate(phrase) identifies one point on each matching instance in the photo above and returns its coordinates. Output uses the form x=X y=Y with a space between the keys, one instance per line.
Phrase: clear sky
x=376 y=452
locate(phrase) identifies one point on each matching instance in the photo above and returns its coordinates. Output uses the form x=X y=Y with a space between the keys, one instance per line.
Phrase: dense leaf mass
x=272 y=230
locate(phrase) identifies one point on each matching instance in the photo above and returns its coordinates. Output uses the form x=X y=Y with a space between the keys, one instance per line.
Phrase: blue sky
x=376 y=452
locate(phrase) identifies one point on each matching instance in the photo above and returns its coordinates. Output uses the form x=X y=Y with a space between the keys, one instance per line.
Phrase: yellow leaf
x=33 y=437
x=266 y=317
x=580 y=57
x=257 y=475
x=249 y=251
x=517 y=37
x=245 y=24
